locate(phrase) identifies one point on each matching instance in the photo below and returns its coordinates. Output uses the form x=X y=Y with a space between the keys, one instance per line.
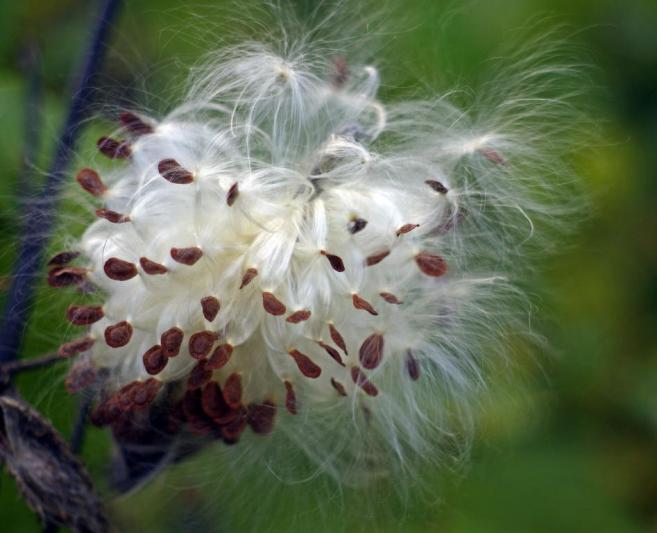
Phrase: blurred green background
x=570 y=443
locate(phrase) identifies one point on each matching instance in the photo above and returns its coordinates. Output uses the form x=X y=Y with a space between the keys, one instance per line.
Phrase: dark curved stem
x=41 y=217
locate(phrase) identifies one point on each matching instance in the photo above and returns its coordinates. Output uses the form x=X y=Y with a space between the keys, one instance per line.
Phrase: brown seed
x=81 y=375
x=493 y=156
x=290 y=399
x=200 y=343
x=231 y=432
x=356 y=225
x=90 y=181
x=151 y=267
x=210 y=306
x=171 y=171
x=199 y=376
x=154 y=360
x=305 y=364
x=112 y=216
x=212 y=400
x=412 y=366
x=134 y=123
x=406 y=228
x=261 y=416
x=232 y=195
x=361 y=303
x=431 y=265
x=248 y=276
x=186 y=256
x=220 y=356
x=63 y=258
x=171 y=340
x=338 y=387
x=340 y=72
x=66 y=276
x=336 y=261
x=437 y=186
x=298 y=316
x=83 y=315
x=118 y=335
x=146 y=392
x=233 y=391
x=377 y=258
x=361 y=380
x=76 y=346
x=337 y=338
x=390 y=298
x=371 y=351
x=113 y=148
x=332 y=352
x=272 y=304
x=119 y=270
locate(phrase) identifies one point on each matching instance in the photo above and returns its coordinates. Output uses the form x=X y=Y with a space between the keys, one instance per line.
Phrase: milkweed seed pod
x=285 y=253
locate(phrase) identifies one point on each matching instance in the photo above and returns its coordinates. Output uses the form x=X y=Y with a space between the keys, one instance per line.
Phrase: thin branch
x=41 y=218
x=30 y=364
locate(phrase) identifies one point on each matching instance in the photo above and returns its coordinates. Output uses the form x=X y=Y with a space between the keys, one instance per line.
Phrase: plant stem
x=41 y=217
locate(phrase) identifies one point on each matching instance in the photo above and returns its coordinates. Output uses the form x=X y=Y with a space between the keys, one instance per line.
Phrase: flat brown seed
x=406 y=228
x=390 y=298
x=112 y=216
x=248 y=276
x=290 y=398
x=199 y=376
x=360 y=379
x=119 y=270
x=338 y=387
x=232 y=195
x=332 y=352
x=431 y=265
x=63 y=258
x=76 y=346
x=114 y=148
x=90 y=181
x=335 y=261
x=210 y=306
x=272 y=304
x=371 y=351
x=81 y=375
x=377 y=258
x=361 y=303
x=187 y=256
x=337 y=338
x=233 y=391
x=118 y=335
x=212 y=400
x=437 y=186
x=154 y=360
x=200 y=343
x=305 y=364
x=412 y=366
x=493 y=156
x=260 y=417
x=83 y=315
x=356 y=225
x=171 y=171
x=66 y=276
x=220 y=356
x=171 y=340
x=134 y=123
x=151 y=267
x=298 y=316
